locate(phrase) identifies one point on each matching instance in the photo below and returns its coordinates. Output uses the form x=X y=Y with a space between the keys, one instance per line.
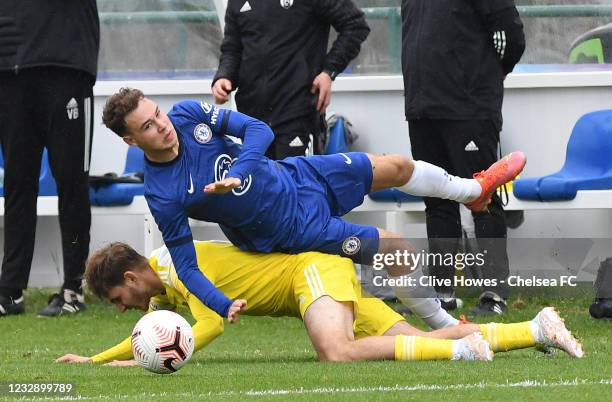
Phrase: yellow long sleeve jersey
x=264 y=280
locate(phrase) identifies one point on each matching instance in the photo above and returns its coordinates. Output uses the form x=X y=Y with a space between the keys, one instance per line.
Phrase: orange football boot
x=499 y=173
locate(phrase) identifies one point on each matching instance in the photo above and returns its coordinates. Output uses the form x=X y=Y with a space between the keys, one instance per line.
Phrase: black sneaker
x=451 y=303
x=70 y=302
x=601 y=308
x=10 y=306
x=490 y=304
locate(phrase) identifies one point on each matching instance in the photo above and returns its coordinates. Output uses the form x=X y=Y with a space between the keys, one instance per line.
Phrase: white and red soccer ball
x=162 y=342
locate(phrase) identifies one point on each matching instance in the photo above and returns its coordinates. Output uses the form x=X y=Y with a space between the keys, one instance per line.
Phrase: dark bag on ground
x=602 y=306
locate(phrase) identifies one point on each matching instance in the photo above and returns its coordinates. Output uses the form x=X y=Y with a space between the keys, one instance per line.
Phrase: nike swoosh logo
x=190 y=189
x=348 y=160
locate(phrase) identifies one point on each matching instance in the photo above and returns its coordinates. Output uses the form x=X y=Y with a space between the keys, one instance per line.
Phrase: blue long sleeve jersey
x=265 y=204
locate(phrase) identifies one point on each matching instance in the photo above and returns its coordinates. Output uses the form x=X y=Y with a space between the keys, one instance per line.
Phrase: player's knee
x=392 y=242
x=335 y=352
x=333 y=348
x=402 y=168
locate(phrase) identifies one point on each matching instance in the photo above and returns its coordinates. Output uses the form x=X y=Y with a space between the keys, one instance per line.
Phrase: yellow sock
x=420 y=348
x=505 y=337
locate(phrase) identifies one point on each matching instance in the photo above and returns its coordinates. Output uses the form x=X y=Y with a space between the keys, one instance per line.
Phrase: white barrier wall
x=539 y=113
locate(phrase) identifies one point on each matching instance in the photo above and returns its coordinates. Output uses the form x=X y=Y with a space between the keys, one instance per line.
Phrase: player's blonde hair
x=106 y=266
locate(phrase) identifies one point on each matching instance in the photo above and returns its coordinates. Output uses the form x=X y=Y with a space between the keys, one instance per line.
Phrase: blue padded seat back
x=589 y=149
x=393 y=195
x=588 y=163
x=134 y=162
x=46 y=182
x=337 y=142
x=115 y=194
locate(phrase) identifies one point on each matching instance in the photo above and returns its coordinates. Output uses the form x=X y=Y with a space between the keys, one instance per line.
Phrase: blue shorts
x=328 y=187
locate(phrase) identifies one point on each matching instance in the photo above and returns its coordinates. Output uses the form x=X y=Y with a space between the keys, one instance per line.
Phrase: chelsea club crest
x=202 y=133
x=351 y=245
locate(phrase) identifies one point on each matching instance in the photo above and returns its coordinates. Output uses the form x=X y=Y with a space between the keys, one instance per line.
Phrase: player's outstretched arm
x=71 y=358
x=208 y=326
x=122 y=363
x=121 y=351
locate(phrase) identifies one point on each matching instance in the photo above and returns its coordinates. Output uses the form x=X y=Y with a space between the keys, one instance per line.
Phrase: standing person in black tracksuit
x=275 y=53
x=48 y=65
x=455 y=56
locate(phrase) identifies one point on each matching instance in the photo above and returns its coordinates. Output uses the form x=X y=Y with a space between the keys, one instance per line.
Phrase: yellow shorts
x=374 y=317
x=324 y=275
x=327 y=275
x=278 y=284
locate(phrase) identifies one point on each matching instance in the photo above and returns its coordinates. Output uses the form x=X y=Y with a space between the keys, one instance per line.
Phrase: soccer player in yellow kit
x=321 y=289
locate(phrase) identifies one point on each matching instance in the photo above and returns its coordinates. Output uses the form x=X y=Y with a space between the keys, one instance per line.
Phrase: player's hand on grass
x=70 y=358
x=235 y=309
x=221 y=90
x=122 y=363
x=224 y=186
x=322 y=84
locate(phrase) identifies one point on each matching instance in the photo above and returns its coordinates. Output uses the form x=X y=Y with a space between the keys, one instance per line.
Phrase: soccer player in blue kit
x=193 y=170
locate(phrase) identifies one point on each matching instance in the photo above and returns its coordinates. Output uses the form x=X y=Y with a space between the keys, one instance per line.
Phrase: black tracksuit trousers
x=45 y=107
x=462 y=147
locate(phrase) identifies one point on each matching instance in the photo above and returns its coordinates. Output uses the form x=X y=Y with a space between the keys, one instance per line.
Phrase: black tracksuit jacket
x=33 y=34
x=455 y=56
x=272 y=50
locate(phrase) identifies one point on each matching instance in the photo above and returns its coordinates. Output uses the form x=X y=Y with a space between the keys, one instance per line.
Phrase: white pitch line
x=425 y=387
x=349 y=390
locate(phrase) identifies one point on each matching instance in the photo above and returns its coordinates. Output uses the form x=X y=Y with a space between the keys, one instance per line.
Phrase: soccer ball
x=162 y=342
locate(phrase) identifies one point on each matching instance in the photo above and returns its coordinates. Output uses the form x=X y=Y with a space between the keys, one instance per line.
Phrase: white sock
x=535 y=330
x=429 y=180
x=458 y=349
x=422 y=302
x=440 y=318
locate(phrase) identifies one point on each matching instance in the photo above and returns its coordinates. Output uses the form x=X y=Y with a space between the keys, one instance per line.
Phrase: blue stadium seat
x=394 y=195
x=134 y=161
x=588 y=163
x=46 y=182
x=337 y=141
x=112 y=194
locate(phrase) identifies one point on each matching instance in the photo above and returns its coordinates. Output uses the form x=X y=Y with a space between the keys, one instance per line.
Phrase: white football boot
x=472 y=347
x=549 y=330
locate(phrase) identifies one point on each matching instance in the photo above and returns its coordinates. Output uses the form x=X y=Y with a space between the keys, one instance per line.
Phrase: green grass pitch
x=263 y=358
